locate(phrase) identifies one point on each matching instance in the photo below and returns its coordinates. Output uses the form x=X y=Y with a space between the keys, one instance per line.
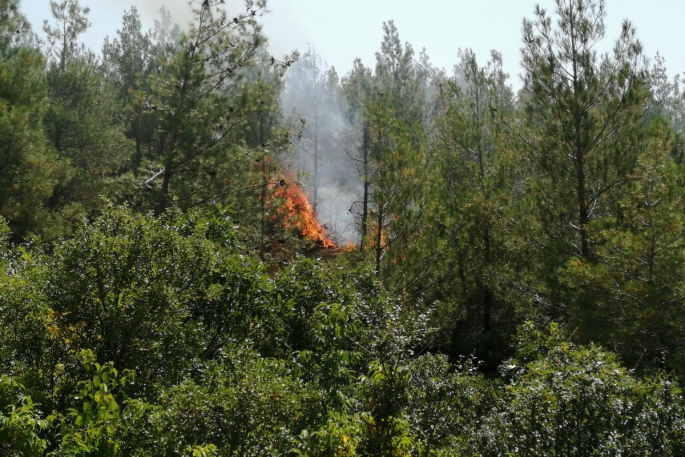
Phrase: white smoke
x=312 y=95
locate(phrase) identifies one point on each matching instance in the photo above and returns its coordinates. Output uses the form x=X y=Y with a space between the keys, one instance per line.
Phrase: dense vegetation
x=513 y=269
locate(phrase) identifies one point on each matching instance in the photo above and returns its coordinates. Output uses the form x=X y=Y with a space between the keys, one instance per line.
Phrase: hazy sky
x=340 y=30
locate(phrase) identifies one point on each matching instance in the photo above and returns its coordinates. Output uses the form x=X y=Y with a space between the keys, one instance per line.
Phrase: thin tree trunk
x=263 y=208
x=265 y=183
x=365 y=198
x=168 y=165
x=138 y=158
x=379 y=241
x=166 y=178
x=316 y=162
x=582 y=206
x=579 y=153
x=487 y=293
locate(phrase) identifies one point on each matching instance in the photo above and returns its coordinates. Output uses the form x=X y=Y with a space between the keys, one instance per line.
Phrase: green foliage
x=200 y=100
x=636 y=284
x=71 y=20
x=20 y=421
x=128 y=56
x=470 y=211
x=580 y=132
x=387 y=107
x=13 y=24
x=562 y=398
x=446 y=401
x=153 y=294
x=81 y=122
x=94 y=429
x=242 y=405
x=27 y=167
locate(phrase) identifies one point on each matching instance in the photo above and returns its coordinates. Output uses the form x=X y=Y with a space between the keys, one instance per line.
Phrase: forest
x=210 y=250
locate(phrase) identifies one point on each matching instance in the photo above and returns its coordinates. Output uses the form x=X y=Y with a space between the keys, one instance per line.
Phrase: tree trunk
x=265 y=183
x=263 y=208
x=316 y=163
x=582 y=206
x=168 y=165
x=365 y=198
x=163 y=199
x=487 y=293
x=379 y=241
x=579 y=151
x=138 y=157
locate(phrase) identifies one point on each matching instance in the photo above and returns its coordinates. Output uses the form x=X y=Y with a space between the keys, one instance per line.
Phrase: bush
x=564 y=399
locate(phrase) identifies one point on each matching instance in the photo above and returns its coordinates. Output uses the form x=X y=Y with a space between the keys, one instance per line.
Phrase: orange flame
x=300 y=212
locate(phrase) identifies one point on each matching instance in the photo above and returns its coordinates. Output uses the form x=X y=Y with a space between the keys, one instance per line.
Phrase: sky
x=342 y=30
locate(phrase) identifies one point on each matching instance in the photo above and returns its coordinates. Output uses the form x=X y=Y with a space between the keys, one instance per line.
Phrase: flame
x=298 y=211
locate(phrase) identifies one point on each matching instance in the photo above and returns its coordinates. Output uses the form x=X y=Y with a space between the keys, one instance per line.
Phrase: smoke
x=180 y=10
x=322 y=141
x=106 y=17
x=335 y=178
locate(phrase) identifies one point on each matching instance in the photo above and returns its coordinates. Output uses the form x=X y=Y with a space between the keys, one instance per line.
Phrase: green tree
x=259 y=165
x=71 y=20
x=83 y=122
x=582 y=112
x=21 y=425
x=13 y=24
x=131 y=59
x=94 y=427
x=472 y=163
x=666 y=96
x=636 y=285
x=391 y=157
x=27 y=167
x=398 y=77
x=243 y=405
x=395 y=114
x=465 y=254
x=156 y=295
x=202 y=101
x=398 y=186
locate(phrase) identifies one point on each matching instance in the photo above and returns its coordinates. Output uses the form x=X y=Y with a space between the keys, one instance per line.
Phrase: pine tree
x=582 y=111
x=129 y=56
x=636 y=284
x=201 y=101
x=130 y=60
x=389 y=105
x=395 y=114
x=82 y=123
x=28 y=168
x=476 y=176
x=666 y=97
x=357 y=87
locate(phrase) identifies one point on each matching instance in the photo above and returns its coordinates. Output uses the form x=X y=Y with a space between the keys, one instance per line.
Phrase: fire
x=299 y=211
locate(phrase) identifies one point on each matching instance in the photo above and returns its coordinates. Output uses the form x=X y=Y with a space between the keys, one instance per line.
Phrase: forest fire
x=299 y=211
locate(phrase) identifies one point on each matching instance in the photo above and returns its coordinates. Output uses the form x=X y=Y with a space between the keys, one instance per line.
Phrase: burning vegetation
x=297 y=211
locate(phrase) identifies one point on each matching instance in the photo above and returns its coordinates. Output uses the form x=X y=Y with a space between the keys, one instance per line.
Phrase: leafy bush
x=565 y=399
